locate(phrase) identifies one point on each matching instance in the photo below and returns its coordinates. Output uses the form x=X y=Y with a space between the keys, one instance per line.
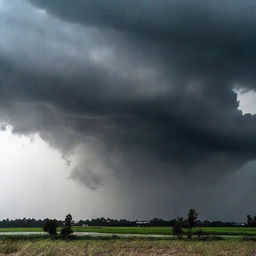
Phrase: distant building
x=142 y=223
x=237 y=224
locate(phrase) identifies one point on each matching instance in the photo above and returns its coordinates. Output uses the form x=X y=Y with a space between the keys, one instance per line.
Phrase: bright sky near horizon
x=247 y=101
x=35 y=181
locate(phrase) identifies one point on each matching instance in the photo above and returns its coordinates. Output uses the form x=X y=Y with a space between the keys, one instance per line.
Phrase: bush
x=66 y=232
x=50 y=227
x=189 y=234
x=177 y=230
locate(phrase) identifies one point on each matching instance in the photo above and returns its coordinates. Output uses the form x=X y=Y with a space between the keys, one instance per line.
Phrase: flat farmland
x=232 y=231
x=241 y=231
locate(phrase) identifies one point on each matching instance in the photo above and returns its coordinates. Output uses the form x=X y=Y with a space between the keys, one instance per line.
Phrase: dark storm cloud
x=202 y=36
x=151 y=81
x=200 y=51
x=87 y=177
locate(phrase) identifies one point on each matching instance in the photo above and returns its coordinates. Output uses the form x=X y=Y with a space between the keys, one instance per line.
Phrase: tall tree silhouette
x=67 y=229
x=192 y=217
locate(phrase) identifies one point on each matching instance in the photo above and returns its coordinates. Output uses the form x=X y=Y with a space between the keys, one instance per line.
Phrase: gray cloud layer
x=146 y=85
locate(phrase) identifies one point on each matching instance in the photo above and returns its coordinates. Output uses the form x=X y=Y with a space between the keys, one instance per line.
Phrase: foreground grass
x=131 y=247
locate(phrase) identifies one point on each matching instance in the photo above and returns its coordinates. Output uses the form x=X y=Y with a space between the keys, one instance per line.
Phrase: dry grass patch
x=130 y=247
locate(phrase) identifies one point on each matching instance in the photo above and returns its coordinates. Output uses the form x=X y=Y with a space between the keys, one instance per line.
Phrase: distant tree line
x=25 y=223
x=31 y=222
x=155 y=222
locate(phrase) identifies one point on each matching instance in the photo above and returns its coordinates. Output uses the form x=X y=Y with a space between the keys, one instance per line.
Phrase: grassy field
x=21 y=230
x=131 y=247
x=167 y=230
x=242 y=231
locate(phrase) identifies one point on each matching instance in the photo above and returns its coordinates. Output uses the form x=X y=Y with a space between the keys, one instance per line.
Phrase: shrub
x=50 y=227
x=66 y=232
x=177 y=230
x=189 y=234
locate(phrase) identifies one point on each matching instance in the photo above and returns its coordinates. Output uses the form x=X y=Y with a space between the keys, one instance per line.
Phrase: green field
x=122 y=247
x=167 y=230
x=241 y=231
x=21 y=230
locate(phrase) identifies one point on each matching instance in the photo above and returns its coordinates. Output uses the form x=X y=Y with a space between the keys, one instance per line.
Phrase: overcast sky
x=127 y=109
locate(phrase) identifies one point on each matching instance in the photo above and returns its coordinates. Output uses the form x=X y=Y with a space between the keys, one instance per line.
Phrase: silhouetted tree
x=68 y=220
x=254 y=221
x=67 y=229
x=50 y=226
x=192 y=217
x=249 y=220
